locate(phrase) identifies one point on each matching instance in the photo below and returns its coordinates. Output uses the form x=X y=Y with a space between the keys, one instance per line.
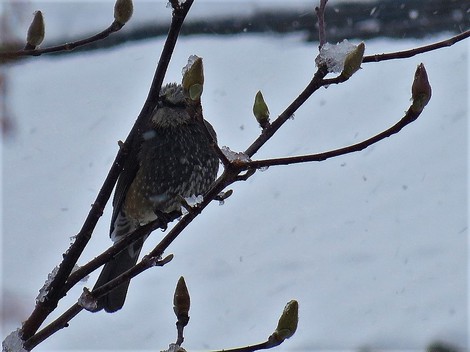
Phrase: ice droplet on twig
x=234 y=156
x=333 y=56
x=87 y=301
x=13 y=342
x=45 y=288
x=191 y=201
x=190 y=63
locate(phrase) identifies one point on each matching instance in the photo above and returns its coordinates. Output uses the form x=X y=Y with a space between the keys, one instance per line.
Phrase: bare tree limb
x=420 y=50
x=320 y=11
x=409 y=117
x=114 y=27
x=270 y=130
x=56 y=292
x=233 y=171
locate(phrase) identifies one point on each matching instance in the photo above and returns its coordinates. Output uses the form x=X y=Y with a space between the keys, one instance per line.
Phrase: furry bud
x=36 y=31
x=123 y=10
x=420 y=90
x=181 y=299
x=288 y=321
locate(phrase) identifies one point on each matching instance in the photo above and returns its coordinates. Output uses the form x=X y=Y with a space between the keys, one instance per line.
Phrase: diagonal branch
x=269 y=131
x=421 y=94
x=409 y=117
x=320 y=11
x=114 y=27
x=56 y=291
x=420 y=50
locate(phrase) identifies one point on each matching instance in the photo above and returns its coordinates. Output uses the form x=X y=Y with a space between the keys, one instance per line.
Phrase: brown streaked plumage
x=174 y=160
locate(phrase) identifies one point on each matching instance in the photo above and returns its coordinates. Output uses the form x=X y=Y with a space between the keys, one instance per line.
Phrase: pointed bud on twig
x=288 y=321
x=181 y=301
x=123 y=10
x=353 y=61
x=193 y=78
x=35 y=31
x=260 y=110
x=420 y=90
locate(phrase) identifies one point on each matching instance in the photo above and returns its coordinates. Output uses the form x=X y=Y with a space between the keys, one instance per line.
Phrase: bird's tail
x=123 y=261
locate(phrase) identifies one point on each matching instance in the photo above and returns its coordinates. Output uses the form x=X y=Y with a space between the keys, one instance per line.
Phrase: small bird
x=175 y=160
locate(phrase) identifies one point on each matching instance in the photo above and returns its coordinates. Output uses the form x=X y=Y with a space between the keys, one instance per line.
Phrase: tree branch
x=320 y=11
x=269 y=131
x=409 y=117
x=114 y=27
x=420 y=50
x=233 y=172
x=56 y=292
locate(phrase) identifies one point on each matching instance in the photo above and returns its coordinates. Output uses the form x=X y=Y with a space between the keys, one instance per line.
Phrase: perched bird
x=174 y=161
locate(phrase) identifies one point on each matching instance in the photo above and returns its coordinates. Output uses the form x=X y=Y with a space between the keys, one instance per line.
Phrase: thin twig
x=103 y=258
x=56 y=325
x=114 y=27
x=62 y=321
x=269 y=131
x=320 y=11
x=420 y=50
x=251 y=348
x=410 y=116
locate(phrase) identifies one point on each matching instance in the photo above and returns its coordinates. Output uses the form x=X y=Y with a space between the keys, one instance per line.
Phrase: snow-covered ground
x=373 y=245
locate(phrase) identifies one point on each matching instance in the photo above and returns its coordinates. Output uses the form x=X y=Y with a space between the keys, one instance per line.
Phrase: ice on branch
x=13 y=342
x=333 y=56
x=173 y=347
x=45 y=288
x=191 y=201
x=75 y=268
x=87 y=301
x=234 y=156
x=190 y=63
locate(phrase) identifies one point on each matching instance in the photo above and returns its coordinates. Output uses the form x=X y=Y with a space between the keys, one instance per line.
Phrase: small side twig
x=114 y=27
x=416 y=51
x=406 y=120
x=320 y=11
x=286 y=328
x=315 y=84
x=103 y=258
x=421 y=94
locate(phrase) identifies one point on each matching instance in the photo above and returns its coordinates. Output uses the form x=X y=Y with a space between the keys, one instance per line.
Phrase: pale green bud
x=193 y=78
x=353 y=61
x=288 y=321
x=260 y=110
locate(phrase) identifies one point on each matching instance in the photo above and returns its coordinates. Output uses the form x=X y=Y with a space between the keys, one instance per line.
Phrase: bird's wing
x=125 y=178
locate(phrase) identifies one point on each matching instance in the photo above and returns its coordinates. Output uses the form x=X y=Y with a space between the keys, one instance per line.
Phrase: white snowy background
x=373 y=245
